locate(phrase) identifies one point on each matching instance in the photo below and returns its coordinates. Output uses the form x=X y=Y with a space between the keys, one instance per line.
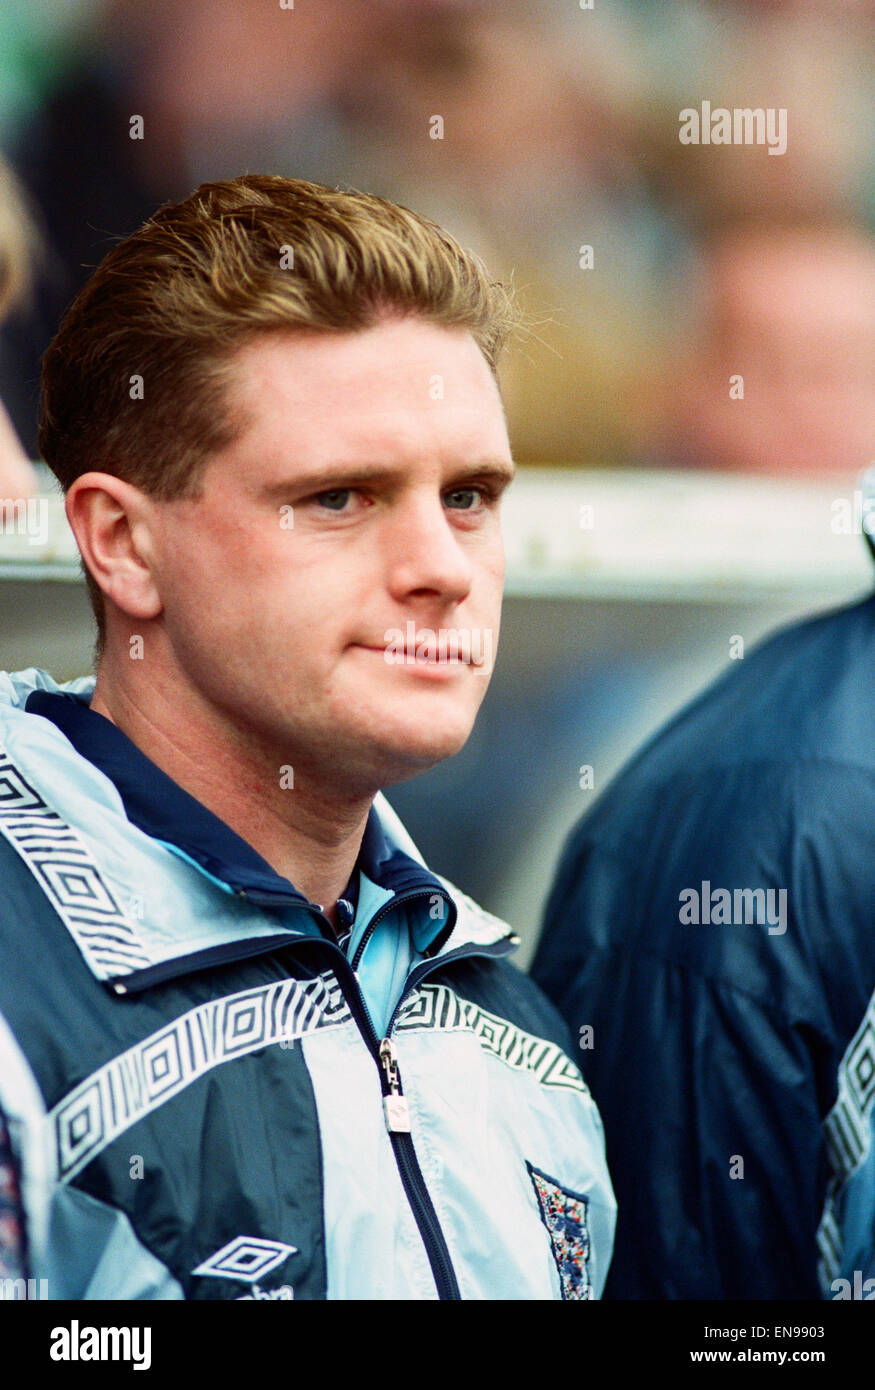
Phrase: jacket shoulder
x=500 y=987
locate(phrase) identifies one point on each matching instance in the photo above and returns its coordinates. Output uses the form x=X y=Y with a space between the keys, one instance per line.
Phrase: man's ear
x=114 y=526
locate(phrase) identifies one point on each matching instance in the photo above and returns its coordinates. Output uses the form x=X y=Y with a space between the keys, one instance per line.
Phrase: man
x=710 y=938
x=274 y=1055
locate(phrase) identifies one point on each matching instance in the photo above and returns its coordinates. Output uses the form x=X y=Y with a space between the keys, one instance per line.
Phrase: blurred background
x=691 y=402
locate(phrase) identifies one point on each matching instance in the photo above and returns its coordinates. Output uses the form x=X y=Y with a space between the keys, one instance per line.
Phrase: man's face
x=359 y=507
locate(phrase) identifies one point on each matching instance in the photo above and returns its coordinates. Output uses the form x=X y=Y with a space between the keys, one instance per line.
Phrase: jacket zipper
x=397 y=1113
x=395 y=1109
x=397 y=1118
x=398 y=1124
x=384 y=912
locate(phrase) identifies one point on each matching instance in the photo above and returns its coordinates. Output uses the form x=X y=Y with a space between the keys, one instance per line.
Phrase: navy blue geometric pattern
x=69 y=876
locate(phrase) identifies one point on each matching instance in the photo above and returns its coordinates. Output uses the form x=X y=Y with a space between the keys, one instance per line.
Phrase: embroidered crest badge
x=565 y=1214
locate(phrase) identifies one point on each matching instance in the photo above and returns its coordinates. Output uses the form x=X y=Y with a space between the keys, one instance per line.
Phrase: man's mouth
x=449 y=647
x=440 y=656
x=409 y=656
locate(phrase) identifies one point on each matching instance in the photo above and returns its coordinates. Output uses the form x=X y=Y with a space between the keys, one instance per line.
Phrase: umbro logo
x=250 y=1259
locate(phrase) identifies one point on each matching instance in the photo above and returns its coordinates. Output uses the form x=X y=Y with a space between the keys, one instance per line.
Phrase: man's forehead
x=366 y=398
x=393 y=350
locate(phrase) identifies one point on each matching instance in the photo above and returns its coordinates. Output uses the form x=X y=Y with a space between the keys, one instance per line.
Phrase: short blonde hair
x=174 y=301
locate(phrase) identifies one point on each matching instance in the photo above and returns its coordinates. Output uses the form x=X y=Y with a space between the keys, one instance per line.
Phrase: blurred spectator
x=487 y=113
x=558 y=131
x=787 y=316
x=17 y=477
x=814 y=60
x=219 y=85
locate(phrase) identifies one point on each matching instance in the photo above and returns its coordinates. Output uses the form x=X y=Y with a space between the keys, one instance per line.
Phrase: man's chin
x=411 y=757
x=401 y=754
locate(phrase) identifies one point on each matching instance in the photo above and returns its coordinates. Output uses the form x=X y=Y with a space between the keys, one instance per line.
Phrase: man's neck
x=307 y=834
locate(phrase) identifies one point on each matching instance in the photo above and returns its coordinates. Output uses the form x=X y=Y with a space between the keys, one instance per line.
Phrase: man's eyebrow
x=333 y=477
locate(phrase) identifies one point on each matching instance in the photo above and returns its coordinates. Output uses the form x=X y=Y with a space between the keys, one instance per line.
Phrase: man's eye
x=336 y=500
x=463 y=499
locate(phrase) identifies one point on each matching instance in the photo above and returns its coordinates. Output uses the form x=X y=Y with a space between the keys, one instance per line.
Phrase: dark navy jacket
x=733 y=1047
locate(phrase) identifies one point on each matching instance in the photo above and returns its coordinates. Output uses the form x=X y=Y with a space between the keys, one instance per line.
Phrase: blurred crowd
x=542 y=134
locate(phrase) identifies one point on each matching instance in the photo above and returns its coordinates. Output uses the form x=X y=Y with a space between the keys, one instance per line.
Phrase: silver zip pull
x=395 y=1104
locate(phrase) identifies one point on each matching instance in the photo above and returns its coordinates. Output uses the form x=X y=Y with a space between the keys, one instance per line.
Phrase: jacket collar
x=166 y=812
x=119 y=775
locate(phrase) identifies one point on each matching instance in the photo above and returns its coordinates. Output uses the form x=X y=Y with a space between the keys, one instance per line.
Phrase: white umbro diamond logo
x=247 y=1257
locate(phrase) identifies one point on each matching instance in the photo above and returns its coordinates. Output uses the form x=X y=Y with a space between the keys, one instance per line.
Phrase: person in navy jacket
x=712 y=921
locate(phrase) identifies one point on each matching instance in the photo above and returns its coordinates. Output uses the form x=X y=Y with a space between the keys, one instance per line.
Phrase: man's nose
x=425 y=554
